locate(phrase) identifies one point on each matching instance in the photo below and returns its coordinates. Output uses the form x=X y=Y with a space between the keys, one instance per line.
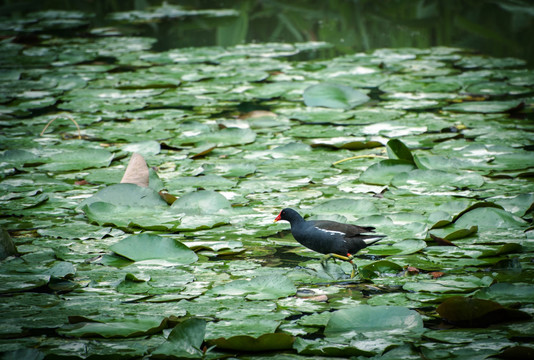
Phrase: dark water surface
x=499 y=28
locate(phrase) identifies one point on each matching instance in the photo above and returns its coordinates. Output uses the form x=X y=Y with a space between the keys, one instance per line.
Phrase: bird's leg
x=348 y=258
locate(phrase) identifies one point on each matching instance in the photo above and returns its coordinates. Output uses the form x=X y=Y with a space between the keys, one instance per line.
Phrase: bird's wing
x=348 y=229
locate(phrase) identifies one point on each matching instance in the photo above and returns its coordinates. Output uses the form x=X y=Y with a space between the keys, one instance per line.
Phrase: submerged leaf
x=334 y=96
x=464 y=311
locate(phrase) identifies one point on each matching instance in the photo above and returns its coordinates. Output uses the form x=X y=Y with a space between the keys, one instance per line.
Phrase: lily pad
x=486 y=107
x=384 y=171
x=368 y=319
x=151 y=247
x=268 y=287
x=404 y=247
x=470 y=312
x=201 y=202
x=334 y=96
x=487 y=218
x=184 y=341
x=265 y=342
x=127 y=195
x=69 y=160
x=115 y=328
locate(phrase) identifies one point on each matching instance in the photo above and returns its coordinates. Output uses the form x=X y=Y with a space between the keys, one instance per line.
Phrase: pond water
x=146 y=148
x=498 y=28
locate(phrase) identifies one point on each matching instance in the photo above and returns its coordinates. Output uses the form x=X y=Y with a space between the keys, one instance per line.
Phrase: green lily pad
x=127 y=195
x=201 y=202
x=485 y=107
x=69 y=160
x=487 y=218
x=325 y=347
x=383 y=172
x=22 y=282
x=334 y=96
x=449 y=284
x=115 y=328
x=265 y=342
x=221 y=138
x=367 y=319
x=422 y=180
x=150 y=247
x=472 y=312
x=379 y=268
x=507 y=293
x=404 y=247
x=184 y=341
x=397 y=150
x=267 y=287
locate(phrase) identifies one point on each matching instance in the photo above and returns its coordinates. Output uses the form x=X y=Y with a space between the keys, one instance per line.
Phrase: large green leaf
x=154 y=247
x=484 y=106
x=184 y=341
x=266 y=287
x=127 y=195
x=334 y=96
x=69 y=160
x=115 y=327
x=404 y=247
x=507 y=293
x=487 y=218
x=201 y=202
x=368 y=319
x=472 y=312
x=382 y=172
x=396 y=149
x=265 y=342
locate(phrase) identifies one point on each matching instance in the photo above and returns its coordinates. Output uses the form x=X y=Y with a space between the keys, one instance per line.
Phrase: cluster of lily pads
x=433 y=147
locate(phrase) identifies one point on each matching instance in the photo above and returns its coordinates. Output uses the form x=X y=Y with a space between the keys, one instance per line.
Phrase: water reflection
x=497 y=28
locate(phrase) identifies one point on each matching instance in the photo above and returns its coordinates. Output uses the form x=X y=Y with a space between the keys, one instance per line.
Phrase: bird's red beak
x=279 y=217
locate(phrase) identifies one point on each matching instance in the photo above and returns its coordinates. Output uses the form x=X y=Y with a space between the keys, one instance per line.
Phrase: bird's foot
x=348 y=258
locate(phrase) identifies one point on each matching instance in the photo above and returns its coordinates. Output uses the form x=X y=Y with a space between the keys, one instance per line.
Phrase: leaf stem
x=359 y=157
x=67 y=116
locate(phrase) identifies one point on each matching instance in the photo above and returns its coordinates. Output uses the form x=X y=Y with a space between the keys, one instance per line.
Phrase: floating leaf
x=487 y=218
x=486 y=107
x=334 y=96
x=69 y=160
x=507 y=293
x=398 y=151
x=379 y=268
x=127 y=195
x=265 y=342
x=201 y=202
x=259 y=288
x=150 y=247
x=404 y=247
x=21 y=282
x=464 y=311
x=115 y=328
x=366 y=319
x=184 y=341
x=382 y=172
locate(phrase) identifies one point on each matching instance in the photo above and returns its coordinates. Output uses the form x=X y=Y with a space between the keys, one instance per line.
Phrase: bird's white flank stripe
x=371 y=240
x=331 y=232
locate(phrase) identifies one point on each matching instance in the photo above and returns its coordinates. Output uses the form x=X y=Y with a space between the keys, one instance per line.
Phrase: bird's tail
x=371 y=239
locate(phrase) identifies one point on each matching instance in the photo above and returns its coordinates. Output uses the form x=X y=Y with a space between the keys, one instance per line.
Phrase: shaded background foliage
x=493 y=27
x=454 y=195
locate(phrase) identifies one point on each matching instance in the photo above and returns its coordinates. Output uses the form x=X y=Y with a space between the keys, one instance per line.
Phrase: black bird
x=331 y=238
